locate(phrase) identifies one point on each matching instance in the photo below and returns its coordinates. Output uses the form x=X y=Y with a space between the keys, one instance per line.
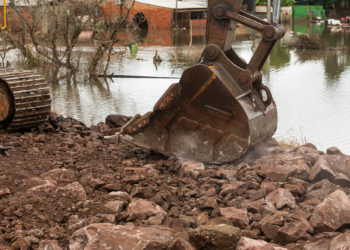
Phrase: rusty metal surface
x=25 y=100
x=220 y=108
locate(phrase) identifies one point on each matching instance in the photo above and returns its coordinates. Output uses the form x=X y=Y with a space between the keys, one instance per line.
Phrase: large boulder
x=279 y=167
x=109 y=236
x=332 y=213
x=340 y=242
x=335 y=168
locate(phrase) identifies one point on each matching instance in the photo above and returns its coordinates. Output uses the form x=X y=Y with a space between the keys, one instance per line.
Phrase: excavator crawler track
x=24 y=100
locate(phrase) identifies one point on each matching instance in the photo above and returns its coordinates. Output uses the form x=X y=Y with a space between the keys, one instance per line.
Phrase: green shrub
x=283 y=2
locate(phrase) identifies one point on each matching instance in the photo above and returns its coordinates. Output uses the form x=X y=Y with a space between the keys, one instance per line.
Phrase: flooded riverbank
x=311 y=88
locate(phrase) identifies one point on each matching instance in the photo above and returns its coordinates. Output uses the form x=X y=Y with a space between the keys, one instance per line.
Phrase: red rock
x=253 y=206
x=102 y=127
x=297 y=190
x=121 y=196
x=340 y=242
x=256 y=194
x=132 y=179
x=108 y=218
x=191 y=168
x=335 y=168
x=49 y=245
x=113 y=187
x=75 y=190
x=92 y=182
x=250 y=244
x=333 y=151
x=234 y=187
x=332 y=213
x=202 y=218
x=279 y=174
x=270 y=225
x=269 y=186
x=309 y=145
x=294 y=231
x=321 y=189
x=227 y=174
x=40 y=138
x=142 y=209
x=135 y=171
x=155 y=219
x=251 y=233
x=281 y=198
x=3 y=247
x=108 y=236
x=45 y=185
x=180 y=244
x=238 y=217
x=320 y=241
x=4 y=192
x=219 y=236
x=61 y=175
x=321 y=170
x=21 y=244
x=115 y=206
x=267 y=209
x=209 y=203
x=282 y=167
x=116 y=121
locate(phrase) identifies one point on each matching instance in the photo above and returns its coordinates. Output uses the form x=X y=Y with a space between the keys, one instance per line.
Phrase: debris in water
x=306 y=42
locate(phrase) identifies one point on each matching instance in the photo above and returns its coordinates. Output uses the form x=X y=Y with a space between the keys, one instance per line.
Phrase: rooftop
x=185 y=4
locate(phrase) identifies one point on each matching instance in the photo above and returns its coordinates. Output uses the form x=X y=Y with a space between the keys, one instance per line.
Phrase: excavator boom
x=220 y=107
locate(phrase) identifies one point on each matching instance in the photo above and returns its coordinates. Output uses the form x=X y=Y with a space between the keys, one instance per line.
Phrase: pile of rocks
x=67 y=186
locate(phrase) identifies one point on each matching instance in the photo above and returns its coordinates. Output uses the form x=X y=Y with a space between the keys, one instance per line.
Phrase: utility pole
x=176 y=14
x=268 y=11
x=253 y=7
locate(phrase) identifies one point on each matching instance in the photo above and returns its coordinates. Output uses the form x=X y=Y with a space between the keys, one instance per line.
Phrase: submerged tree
x=47 y=34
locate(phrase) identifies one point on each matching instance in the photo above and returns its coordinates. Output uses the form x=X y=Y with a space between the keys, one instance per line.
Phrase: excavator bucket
x=220 y=108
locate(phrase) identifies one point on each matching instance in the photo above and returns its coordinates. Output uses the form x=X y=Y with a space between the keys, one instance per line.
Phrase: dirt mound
x=69 y=186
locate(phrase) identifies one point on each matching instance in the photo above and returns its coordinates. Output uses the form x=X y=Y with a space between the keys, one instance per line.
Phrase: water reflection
x=280 y=56
x=311 y=88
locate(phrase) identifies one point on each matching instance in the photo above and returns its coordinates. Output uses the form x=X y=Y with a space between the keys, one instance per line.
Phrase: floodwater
x=311 y=88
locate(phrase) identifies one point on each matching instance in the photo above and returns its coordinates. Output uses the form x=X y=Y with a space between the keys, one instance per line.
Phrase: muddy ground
x=68 y=186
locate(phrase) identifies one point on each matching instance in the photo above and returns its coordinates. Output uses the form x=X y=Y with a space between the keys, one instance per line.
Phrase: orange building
x=161 y=14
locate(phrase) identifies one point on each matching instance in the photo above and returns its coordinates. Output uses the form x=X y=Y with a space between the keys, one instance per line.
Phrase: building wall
x=157 y=17
x=12 y=20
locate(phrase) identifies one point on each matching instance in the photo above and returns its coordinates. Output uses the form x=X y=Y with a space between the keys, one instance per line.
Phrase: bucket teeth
x=136 y=124
x=169 y=97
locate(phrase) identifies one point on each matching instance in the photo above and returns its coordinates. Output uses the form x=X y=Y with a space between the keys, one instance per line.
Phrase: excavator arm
x=220 y=108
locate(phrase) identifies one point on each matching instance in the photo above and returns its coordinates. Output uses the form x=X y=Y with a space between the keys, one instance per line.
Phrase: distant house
x=163 y=14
